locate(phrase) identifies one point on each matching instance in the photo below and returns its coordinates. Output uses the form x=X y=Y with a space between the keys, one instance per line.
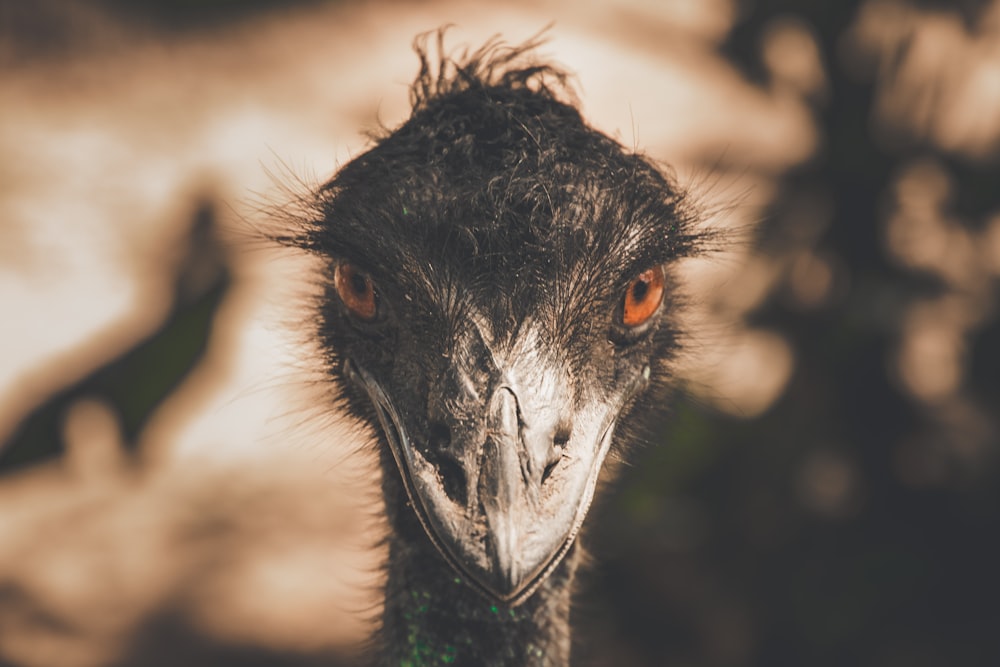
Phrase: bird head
x=498 y=295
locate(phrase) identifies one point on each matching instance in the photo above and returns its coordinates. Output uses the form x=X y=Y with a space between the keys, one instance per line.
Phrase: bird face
x=499 y=297
x=501 y=447
x=499 y=425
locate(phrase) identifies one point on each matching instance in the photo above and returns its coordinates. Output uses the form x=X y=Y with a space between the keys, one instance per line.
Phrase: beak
x=529 y=481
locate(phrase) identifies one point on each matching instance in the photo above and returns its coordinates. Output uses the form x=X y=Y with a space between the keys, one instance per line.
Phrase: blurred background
x=824 y=490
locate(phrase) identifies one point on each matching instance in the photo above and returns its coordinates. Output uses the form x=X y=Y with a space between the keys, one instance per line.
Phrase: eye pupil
x=359 y=283
x=640 y=290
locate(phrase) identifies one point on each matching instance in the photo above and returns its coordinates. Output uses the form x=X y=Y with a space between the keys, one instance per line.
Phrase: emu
x=499 y=302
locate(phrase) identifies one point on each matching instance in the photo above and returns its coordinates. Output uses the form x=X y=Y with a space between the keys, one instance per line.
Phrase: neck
x=433 y=617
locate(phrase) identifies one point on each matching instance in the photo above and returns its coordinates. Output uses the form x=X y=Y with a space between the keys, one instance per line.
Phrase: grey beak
x=514 y=461
x=530 y=485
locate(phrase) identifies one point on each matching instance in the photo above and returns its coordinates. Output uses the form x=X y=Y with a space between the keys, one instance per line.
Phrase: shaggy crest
x=494 y=65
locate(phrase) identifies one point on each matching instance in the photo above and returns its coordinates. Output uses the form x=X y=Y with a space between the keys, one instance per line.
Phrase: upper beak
x=529 y=482
x=523 y=532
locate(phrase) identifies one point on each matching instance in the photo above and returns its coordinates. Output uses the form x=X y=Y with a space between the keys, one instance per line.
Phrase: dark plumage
x=483 y=263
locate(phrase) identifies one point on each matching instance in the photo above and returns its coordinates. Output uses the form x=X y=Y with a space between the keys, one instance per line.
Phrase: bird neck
x=433 y=617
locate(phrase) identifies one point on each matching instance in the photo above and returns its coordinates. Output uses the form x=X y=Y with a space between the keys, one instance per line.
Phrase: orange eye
x=643 y=297
x=356 y=290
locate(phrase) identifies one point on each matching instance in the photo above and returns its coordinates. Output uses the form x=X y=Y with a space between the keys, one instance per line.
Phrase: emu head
x=498 y=298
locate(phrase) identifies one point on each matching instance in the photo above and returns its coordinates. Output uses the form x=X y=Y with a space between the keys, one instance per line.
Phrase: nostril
x=559 y=440
x=549 y=469
x=438 y=453
x=439 y=436
x=452 y=479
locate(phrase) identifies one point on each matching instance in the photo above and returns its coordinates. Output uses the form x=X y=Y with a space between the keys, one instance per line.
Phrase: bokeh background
x=824 y=489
